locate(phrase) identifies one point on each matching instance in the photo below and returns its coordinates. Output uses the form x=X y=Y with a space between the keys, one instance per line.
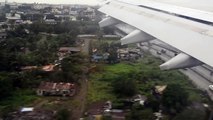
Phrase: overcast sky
x=90 y=2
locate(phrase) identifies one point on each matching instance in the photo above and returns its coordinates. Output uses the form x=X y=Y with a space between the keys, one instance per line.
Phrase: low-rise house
x=48 y=68
x=56 y=89
x=141 y=99
x=51 y=21
x=69 y=49
x=29 y=68
x=63 y=51
x=97 y=58
x=128 y=54
x=123 y=54
x=31 y=114
x=13 y=16
x=160 y=88
x=26 y=109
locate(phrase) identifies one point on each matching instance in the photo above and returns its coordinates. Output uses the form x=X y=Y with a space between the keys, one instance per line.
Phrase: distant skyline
x=88 y=2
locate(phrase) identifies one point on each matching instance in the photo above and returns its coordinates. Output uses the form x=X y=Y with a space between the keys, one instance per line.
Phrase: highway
x=201 y=76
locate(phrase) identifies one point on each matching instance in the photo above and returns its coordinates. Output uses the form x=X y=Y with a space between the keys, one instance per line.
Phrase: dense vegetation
x=117 y=82
x=26 y=46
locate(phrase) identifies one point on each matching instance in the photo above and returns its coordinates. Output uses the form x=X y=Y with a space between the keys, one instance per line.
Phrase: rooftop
x=72 y=49
x=56 y=86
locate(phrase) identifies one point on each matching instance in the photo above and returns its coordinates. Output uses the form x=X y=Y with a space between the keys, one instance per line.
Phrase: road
x=81 y=96
x=86 y=46
x=200 y=76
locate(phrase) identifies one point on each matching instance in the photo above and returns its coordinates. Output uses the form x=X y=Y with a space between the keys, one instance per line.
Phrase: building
x=69 y=49
x=160 y=88
x=51 y=21
x=2 y=5
x=29 y=68
x=14 y=5
x=48 y=68
x=13 y=18
x=56 y=89
x=37 y=6
x=64 y=51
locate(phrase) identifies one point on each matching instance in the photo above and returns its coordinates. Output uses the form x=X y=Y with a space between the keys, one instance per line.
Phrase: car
x=211 y=87
x=158 y=52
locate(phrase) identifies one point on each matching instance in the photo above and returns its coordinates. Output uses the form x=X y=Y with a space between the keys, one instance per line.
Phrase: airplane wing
x=185 y=28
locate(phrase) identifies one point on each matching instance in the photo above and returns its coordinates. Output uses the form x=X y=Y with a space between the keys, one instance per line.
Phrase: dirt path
x=82 y=94
x=86 y=46
x=81 y=98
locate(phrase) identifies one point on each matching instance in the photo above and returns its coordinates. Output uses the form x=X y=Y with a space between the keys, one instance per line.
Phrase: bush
x=191 y=114
x=124 y=87
x=140 y=115
x=153 y=103
x=106 y=117
x=63 y=114
x=174 y=97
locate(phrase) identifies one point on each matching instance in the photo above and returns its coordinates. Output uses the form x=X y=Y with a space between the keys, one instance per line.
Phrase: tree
x=6 y=85
x=153 y=103
x=66 y=39
x=105 y=117
x=113 y=56
x=138 y=113
x=174 y=97
x=192 y=114
x=71 y=68
x=124 y=86
x=63 y=114
x=104 y=46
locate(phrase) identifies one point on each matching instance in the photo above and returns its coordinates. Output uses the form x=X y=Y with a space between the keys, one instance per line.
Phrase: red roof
x=56 y=86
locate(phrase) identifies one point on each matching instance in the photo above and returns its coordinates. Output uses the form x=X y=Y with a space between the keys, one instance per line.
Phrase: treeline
x=65 y=27
x=72 y=27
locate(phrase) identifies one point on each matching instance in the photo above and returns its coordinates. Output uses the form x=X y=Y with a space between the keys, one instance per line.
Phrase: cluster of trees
x=59 y=28
x=71 y=67
x=17 y=52
x=111 y=48
x=173 y=101
x=71 y=27
x=63 y=114
x=13 y=81
x=124 y=85
x=23 y=48
x=174 y=98
x=140 y=113
x=131 y=81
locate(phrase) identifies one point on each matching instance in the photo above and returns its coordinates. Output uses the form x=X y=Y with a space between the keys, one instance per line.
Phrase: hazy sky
x=90 y=2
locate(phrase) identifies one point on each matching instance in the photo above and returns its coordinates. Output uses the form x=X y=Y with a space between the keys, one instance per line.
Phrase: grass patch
x=17 y=99
x=99 y=90
x=145 y=72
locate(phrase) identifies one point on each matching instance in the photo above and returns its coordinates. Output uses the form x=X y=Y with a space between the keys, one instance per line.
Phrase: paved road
x=200 y=76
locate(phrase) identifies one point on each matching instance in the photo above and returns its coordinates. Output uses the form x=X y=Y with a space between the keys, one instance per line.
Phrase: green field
x=145 y=72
